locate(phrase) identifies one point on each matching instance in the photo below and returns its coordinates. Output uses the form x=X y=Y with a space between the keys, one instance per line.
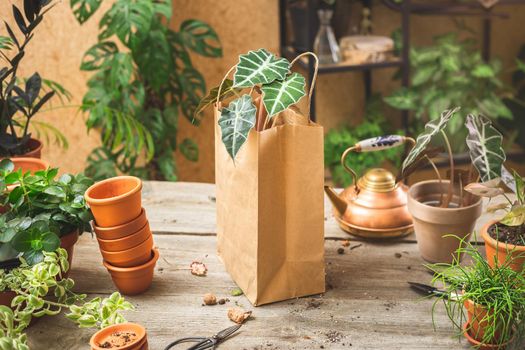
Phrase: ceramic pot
x=121 y=231
x=497 y=251
x=130 y=257
x=431 y=223
x=134 y=280
x=127 y=242
x=108 y=335
x=68 y=243
x=115 y=201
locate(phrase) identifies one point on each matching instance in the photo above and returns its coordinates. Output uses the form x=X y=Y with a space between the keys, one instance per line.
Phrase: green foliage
x=136 y=94
x=452 y=73
x=500 y=290
x=338 y=140
x=42 y=290
x=42 y=208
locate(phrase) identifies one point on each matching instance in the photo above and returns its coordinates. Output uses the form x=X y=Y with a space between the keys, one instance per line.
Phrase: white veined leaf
x=236 y=121
x=280 y=95
x=484 y=143
x=259 y=67
x=432 y=128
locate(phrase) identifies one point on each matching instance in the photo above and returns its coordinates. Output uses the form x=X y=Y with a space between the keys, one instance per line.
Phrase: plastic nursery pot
x=498 y=251
x=115 y=201
x=68 y=243
x=476 y=324
x=123 y=336
x=127 y=242
x=432 y=223
x=134 y=280
x=130 y=257
x=123 y=230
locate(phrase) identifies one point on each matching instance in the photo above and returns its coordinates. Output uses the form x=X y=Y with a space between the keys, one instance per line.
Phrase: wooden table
x=368 y=304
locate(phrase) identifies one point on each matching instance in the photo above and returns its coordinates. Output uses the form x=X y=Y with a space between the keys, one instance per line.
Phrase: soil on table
x=118 y=340
x=508 y=234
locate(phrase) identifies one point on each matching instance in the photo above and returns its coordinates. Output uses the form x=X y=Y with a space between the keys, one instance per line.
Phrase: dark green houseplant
x=136 y=94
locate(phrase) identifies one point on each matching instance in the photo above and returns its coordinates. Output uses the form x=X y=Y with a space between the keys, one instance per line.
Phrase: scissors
x=425 y=289
x=206 y=343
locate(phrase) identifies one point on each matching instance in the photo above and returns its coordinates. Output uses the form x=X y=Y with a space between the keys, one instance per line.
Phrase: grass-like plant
x=499 y=290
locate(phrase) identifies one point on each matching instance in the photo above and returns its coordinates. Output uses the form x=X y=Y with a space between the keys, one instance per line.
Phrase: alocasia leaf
x=432 y=128
x=259 y=67
x=484 y=143
x=515 y=217
x=227 y=90
x=235 y=122
x=280 y=95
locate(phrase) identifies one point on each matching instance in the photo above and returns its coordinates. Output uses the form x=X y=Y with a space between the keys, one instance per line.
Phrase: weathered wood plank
x=189 y=208
x=368 y=303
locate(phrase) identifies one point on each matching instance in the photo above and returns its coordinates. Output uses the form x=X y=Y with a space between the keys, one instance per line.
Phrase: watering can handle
x=374 y=144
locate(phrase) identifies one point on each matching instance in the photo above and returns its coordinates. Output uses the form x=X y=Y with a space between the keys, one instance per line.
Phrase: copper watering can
x=375 y=206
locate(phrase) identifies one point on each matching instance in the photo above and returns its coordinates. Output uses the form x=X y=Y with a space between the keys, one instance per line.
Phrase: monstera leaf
x=235 y=122
x=259 y=67
x=227 y=90
x=280 y=95
x=432 y=128
x=484 y=143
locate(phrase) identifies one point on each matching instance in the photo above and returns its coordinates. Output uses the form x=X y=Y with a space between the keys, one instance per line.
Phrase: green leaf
x=84 y=9
x=201 y=38
x=259 y=67
x=55 y=191
x=423 y=75
x=402 y=99
x=125 y=18
x=483 y=71
x=236 y=292
x=167 y=166
x=189 y=149
x=163 y=7
x=485 y=147
x=235 y=122
x=98 y=55
x=5 y=43
x=494 y=106
x=227 y=91
x=6 y=165
x=432 y=128
x=515 y=217
x=279 y=95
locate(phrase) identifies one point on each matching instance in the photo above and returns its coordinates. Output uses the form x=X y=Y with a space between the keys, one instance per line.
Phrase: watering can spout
x=338 y=203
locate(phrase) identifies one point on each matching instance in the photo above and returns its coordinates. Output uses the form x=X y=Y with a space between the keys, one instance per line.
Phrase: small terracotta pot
x=127 y=242
x=476 y=315
x=108 y=334
x=121 y=231
x=477 y=344
x=68 y=243
x=115 y=201
x=130 y=257
x=35 y=148
x=497 y=251
x=432 y=223
x=134 y=280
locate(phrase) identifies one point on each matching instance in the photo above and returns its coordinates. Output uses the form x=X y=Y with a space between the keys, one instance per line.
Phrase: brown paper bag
x=270 y=215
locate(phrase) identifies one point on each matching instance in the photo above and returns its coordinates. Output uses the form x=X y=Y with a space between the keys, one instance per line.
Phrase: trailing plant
x=136 y=93
x=41 y=290
x=41 y=208
x=257 y=70
x=22 y=99
x=338 y=140
x=500 y=290
x=452 y=73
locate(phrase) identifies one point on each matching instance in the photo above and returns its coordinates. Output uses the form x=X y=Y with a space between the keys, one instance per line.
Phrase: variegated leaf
x=432 y=128
x=227 y=90
x=280 y=95
x=484 y=190
x=508 y=179
x=515 y=217
x=484 y=143
x=259 y=67
x=236 y=121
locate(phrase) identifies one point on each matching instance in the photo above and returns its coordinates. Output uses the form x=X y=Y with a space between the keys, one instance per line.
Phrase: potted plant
x=44 y=212
x=22 y=99
x=493 y=297
x=42 y=289
x=440 y=207
x=149 y=64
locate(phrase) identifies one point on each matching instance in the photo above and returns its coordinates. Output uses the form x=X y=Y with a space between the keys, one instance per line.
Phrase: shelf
x=453 y=8
x=342 y=67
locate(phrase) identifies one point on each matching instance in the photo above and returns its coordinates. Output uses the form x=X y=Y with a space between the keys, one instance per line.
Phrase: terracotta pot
x=127 y=242
x=26 y=164
x=121 y=231
x=130 y=257
x=108 y=335
x=497 y=251
x=476 y=315
x=432 y=223
x=134 y=280
x=35 y=149
x=477 y=344
x=115 y=201
x=68 y=243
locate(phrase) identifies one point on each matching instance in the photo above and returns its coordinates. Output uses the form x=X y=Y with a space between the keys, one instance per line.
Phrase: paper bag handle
x=374 y=144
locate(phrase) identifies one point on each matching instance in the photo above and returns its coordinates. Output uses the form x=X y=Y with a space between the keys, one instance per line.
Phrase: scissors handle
x=206 y=343
x=202 y=343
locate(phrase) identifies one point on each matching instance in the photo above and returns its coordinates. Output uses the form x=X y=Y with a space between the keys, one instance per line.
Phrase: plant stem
x=438 y=176
x=451 y=182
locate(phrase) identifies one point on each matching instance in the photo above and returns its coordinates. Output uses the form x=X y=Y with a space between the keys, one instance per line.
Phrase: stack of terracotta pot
x=123 y=232
x=123 y=336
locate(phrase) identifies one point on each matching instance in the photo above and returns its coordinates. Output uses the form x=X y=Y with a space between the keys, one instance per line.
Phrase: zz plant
x=22 y=99
x=41 y=208
x=41 y=290
x=143 y=79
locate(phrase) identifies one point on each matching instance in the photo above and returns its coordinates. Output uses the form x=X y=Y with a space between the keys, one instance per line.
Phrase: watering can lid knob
x=378 y=180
